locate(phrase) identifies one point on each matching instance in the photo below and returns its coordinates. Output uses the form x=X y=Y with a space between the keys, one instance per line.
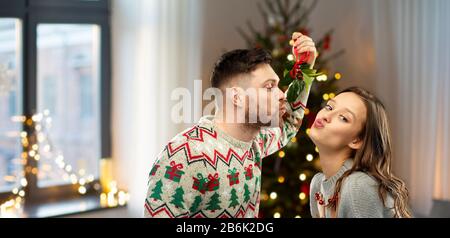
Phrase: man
x=214 y=168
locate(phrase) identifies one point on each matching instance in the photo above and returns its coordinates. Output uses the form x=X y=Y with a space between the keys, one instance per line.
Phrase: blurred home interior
x=85 y=91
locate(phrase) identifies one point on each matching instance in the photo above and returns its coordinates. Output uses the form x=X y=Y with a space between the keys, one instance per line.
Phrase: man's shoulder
x=194 y=139
x=184 y=148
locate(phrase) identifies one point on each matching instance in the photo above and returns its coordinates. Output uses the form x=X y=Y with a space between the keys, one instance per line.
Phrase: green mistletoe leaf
x=309 y=71
x=286 y=80
x=293 y=91
x=302 y=87
x=308 y=78
x=305 y=66
x=289 y=65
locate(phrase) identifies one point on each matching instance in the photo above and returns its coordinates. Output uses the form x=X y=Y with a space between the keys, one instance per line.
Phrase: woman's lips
x=318 y=123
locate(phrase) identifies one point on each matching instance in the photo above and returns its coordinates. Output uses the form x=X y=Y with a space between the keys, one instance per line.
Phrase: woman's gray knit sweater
x=358 y=197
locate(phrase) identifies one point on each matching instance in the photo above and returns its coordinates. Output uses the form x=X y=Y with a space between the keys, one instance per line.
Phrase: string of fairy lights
x=37 y=145
x=309 y=157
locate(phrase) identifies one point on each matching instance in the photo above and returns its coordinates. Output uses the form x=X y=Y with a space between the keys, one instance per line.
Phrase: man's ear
x=238 y=96
x=356 y=143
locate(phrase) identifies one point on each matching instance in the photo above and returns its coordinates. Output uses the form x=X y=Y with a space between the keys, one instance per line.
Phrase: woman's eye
x=328 y=107
x=269 y=86
x=343 y=118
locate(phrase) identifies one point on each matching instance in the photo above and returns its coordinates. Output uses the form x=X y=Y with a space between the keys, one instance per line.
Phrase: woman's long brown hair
x=375 y=155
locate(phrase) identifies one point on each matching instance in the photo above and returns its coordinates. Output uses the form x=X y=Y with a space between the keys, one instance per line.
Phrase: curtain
x=413 y=64
x=156 y=48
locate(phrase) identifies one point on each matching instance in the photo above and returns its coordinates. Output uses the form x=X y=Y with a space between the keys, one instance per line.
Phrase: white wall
x=220 y=21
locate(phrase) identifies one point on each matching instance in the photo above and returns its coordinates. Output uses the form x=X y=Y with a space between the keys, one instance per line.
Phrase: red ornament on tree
x=283 y=39
x=326 y=42
x=304 y=188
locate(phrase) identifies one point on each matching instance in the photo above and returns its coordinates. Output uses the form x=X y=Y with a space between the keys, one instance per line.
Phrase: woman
x=352 y=135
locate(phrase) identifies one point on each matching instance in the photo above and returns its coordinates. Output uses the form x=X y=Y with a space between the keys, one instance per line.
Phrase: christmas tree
x=213 y=203
x=288 y=173
x=177 y=198
x=234 y=199
x=157 y=191
x=246 y=193
x=196 y=204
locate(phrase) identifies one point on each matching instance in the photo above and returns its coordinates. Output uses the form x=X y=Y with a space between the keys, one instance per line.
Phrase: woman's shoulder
x=317 y=178
x=360 y=179
x=315 y=183
x=359 y=197
x=314 y=188
x=360 y=182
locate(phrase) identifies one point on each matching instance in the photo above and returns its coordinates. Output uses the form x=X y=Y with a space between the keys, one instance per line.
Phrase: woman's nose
x=326 y=117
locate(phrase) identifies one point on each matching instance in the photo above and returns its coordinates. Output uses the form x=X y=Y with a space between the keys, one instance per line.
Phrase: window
x=69 y=91
x=10 y=104
x=61 y=69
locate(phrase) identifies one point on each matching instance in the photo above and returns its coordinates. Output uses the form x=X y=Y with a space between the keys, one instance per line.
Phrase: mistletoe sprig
x=297 y=75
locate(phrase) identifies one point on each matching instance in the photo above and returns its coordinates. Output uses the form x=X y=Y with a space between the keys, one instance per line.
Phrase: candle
x=103 y=200
x=122 y=198
x=111 y=200
x=106 y=174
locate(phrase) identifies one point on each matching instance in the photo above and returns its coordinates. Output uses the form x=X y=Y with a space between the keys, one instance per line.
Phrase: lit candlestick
x=122 y=198
x=105 y=174
x=103 y=200
x=111 y=200
x=113 y=187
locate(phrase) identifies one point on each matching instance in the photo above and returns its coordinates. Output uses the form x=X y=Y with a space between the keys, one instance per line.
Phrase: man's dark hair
x=237 y=62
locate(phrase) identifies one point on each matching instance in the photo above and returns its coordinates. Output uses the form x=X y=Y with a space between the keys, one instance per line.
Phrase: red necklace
x=320 y=199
